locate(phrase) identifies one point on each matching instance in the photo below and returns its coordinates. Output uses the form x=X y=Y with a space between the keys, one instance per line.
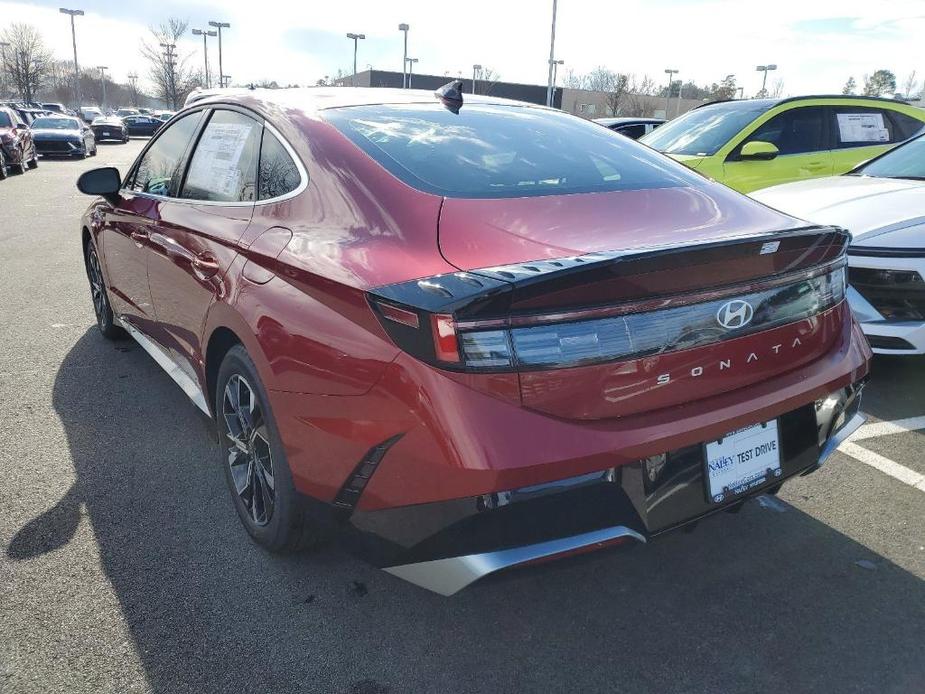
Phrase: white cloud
x=817 y=44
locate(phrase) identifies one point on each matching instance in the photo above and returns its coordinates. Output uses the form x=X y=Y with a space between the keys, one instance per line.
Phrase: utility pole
x=74 y=13
x=355 y=38
x=404 y=61
x=221 y=70
x=205 y=52
x=102 y=69
x=550 y=90
x=226 y=79
x=671 y=73
x=476 y=71
x=133 y=81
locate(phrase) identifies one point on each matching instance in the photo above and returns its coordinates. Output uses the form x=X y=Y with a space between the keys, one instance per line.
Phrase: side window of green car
x=795 y=131
x=859 y=126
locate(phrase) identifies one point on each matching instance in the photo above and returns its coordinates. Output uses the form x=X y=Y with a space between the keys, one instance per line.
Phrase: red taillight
x=446 y=347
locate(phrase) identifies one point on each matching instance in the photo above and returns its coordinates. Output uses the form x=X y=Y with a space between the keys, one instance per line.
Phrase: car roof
x=623 y=120
x=321 y=98
x=769 y=103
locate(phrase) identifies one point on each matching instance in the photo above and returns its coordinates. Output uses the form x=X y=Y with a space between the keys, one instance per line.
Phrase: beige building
x=588 y=104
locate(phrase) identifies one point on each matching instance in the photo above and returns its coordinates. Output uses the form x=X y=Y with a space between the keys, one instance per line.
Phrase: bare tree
x=27 y=60
x=169 y=71
x=639 y=99
x=777 y=91
x=573 y=80
x=487 y=80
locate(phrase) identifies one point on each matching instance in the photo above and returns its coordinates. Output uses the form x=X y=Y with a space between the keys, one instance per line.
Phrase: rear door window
x=159 y=169
x=867 y=126
x=632 y=131
x=905 y=126
x=223 y=167
x=795 y=131
x=278 y=173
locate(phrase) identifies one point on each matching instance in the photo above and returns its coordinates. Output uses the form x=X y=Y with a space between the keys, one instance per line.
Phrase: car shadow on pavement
x=904 y=396
x=769 y=599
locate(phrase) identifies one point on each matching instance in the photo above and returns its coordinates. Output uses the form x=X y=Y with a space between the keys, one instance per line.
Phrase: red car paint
x=290 y=279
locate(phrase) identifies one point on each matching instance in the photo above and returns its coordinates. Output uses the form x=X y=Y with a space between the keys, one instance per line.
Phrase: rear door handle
x=205 y=265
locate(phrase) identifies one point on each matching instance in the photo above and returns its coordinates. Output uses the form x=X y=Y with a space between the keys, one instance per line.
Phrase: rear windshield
x=5 y=121
x=55 y=124
x=704 y=130
x=495 y=151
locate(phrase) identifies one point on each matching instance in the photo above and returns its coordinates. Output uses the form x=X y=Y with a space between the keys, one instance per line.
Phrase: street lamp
x=102 y=69
x=410 y=63
x=355 y=38
x=671 y=73
x=72 y=14
x=476 y=71
x=205 y=51
x=764 y=79
x=226 y=80
x=404 y=62
x=550 y=89
x=555 y=71
x=221 y=72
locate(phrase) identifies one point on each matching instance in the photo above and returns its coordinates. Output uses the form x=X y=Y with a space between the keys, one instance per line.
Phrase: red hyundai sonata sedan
x=470 y=336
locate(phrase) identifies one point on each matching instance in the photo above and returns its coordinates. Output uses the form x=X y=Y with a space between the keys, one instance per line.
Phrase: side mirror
x=105 y=182
x=759 y=150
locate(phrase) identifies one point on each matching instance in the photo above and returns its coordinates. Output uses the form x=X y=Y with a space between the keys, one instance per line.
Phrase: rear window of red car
x=500 y=151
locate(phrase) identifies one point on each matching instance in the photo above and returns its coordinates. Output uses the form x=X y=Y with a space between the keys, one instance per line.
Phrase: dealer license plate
x=742 y=460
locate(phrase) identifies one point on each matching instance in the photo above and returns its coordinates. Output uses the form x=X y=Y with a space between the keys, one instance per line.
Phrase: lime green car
x=754 y=143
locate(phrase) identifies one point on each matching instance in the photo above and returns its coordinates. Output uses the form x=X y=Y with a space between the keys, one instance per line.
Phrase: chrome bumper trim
x=840 y=436
x=450 y=575
x=180 y=377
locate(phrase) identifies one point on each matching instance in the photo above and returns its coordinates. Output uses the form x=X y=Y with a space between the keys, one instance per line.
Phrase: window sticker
x=862 y=127
x=215 y=164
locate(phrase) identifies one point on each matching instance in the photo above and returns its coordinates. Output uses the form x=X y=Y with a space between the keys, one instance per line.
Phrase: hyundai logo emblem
x=735 y=314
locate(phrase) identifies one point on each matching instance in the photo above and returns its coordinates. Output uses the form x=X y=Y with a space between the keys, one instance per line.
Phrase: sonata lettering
x=665 y=379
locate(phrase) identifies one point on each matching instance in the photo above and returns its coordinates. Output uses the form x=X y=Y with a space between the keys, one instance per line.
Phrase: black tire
x=100 y=296
x=22 y=165
x=250 y=448
x=93 y=153
x=4 y=171
x=34 y=161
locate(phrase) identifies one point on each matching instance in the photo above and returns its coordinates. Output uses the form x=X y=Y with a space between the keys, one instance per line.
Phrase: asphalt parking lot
x=123 y=567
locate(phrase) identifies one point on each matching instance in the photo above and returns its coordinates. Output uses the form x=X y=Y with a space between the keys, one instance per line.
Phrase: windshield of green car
x=907 y=161
x=704 y=130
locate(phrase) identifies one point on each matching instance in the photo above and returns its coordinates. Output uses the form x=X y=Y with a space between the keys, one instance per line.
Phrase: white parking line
x=877 y=429
x=884 y=465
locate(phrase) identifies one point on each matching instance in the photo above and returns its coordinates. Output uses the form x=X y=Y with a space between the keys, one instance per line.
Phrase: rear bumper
x=58 y=147
x=448 y=545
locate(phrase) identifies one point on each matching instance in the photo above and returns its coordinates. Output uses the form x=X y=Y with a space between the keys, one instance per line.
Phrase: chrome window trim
x=303 y=175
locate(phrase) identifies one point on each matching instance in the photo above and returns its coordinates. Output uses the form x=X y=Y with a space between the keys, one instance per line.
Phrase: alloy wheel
x=249 y=456
x=97 y=290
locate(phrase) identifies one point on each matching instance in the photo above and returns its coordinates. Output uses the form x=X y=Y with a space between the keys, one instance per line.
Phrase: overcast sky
x=817 y=44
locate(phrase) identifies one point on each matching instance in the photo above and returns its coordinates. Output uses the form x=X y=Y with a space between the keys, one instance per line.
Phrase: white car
x=882 y=203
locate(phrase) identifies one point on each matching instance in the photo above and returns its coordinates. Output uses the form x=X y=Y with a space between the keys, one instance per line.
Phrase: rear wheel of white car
x=4 y=172
x=105 y=320
x=34 y=161
x=252 y=455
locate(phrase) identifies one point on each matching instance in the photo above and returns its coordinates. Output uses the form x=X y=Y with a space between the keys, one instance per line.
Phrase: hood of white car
x=868 y=207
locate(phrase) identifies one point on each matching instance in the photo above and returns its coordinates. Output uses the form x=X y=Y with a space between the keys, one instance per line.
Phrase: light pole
x=74 y=13
x=219 y=26
x=205 y=51
x=102 y=69
x=356 y=39
x=226 y=79
x=550 y=90
x=410 y=62
x=133 y=82
x=555 y=72
x=171 y=87
x=404 y=62
x=677 y=109
x=671 y=73
x=764 y=78
x=476 y=71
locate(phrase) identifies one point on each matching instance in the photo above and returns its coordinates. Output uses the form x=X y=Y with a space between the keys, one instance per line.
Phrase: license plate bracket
x=741 y=461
